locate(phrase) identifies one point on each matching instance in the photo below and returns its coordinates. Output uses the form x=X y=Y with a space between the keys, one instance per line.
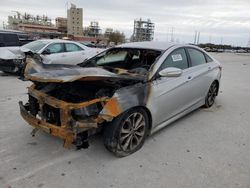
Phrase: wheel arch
x=148 y=113
x=218 y=85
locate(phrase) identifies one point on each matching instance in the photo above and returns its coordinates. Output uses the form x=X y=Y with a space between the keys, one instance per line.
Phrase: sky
x=218 y=21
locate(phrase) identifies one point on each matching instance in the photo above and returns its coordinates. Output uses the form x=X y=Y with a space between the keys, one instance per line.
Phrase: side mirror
x=46 y=52
x=170 y=72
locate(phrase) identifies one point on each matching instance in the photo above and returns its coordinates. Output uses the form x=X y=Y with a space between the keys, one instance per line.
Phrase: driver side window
x=55 y=48
x=177 y=59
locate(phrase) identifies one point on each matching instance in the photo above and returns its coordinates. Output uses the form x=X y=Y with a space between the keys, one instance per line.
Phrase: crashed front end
x=11 y=59
x=72 y=103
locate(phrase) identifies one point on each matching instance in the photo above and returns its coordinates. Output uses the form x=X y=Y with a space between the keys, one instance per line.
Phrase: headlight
x=82 y=113
x=17 y=61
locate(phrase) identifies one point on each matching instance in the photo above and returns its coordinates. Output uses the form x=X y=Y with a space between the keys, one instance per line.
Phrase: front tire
x=127 y=132
x=211 y=95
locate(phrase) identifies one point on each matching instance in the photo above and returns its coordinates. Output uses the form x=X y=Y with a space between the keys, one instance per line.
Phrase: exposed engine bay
x=73 y=102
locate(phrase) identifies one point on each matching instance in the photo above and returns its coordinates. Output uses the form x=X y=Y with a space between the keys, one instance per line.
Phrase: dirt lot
x=208 y=148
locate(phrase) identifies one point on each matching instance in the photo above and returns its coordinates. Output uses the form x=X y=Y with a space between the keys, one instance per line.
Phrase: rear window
x=209 y=59
x=196 y=56
x=70 y=47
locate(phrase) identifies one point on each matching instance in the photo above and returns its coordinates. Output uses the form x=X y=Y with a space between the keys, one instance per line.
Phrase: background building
x=143 y=30
x=93 y=30
x=74 y=21
x=61 y=25
x=36 y=26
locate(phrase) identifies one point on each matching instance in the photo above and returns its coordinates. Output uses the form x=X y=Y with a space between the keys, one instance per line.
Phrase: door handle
x=209 y=68
x=63 y=55
x=189 y=77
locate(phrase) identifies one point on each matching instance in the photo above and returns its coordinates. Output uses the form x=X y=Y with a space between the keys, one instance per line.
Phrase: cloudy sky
x=226 y=21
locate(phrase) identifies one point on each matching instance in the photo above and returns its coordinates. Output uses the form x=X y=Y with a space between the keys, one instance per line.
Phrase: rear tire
x=127 y=132
x=211 y=95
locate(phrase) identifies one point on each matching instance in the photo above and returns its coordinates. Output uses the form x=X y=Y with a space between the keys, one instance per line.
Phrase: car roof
x=5 y=33
x=55 y=40
x=155 y=45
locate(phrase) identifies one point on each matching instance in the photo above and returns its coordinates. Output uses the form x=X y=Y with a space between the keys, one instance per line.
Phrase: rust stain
x=43 y=97
x=112 y=107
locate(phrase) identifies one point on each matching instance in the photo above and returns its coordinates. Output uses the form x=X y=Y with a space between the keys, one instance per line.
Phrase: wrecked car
x=52 y=51
x=128 y=92
x=9 y=43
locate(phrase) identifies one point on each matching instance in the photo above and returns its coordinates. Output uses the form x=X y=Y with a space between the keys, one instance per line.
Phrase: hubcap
x=212 y=94
x=132 y=131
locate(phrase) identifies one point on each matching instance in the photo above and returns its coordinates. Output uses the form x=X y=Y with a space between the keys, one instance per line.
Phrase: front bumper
x=69 y=128
x=10 y=65
x=67 y=135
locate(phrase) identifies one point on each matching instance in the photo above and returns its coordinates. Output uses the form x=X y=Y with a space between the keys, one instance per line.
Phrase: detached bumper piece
x=54 y=116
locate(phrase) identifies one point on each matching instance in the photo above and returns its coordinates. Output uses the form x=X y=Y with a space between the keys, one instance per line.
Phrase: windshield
x=35 y=46
x=125 y=58
x=111 y=57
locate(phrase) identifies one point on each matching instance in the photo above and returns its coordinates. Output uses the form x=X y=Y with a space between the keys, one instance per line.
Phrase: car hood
x=8 y=53
x=39 y=72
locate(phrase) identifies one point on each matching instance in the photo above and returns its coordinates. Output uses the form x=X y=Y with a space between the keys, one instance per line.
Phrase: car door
x=54 y=54
x=200 y=73
x=75 y=54
x=171 y=95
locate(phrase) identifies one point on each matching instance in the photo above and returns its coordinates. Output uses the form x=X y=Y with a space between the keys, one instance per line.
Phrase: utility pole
x=198 y=38
x=172 y=34
x=248 y=44
x=221 y=40
x=195 y=36
x=167 y=34
x=210 y=38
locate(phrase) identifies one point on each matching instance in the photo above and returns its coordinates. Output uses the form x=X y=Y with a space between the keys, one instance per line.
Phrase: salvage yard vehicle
x=8 y=44
x=128 y=92
x=53 y=51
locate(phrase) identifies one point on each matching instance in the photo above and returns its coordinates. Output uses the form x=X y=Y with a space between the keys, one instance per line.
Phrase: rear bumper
x=67 y=135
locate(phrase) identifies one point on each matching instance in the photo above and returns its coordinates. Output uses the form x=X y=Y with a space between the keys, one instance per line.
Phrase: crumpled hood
x=37 y=71
x=8 y=53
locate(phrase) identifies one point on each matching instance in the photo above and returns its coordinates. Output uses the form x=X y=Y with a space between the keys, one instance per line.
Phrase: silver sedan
x=130 y=91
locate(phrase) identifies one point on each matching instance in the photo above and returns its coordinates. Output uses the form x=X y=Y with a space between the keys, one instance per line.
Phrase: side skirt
x=179 y=115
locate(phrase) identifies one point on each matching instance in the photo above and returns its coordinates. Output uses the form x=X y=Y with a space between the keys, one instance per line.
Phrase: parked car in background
x=9 y=44
x=130 y=91
x=88 y=44
x=52 y=51
x=94 y=45
x=9 y=39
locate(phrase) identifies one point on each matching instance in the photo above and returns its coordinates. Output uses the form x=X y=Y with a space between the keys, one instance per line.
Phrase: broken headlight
x=18 y=61
x=85 y=112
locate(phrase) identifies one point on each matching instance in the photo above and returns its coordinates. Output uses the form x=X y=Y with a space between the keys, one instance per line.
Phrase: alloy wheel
x=212 y=93
x=132 y=132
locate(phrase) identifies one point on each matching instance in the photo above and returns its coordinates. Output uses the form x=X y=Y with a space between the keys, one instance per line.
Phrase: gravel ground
x=207 y=148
